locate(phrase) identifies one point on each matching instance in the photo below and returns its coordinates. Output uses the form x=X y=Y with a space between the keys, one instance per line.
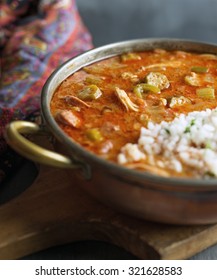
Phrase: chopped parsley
x=167 y=131
x=188 y=128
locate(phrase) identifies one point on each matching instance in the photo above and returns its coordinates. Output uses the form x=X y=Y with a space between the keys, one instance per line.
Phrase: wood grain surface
x=55 y=211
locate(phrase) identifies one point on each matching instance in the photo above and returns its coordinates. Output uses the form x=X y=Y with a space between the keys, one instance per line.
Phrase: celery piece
x=206 y=93
x=143 y=88
x=199 y=69
x=90 y=92
x=130 y=56
x=93 y=79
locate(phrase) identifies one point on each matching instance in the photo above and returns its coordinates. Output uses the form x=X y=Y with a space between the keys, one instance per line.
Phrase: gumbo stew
x=155 y=111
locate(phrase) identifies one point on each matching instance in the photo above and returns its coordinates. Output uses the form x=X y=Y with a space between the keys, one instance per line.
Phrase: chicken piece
x=179 y=101
x=163 y=101
x=158 y=80
x=75 y=101
x=106 y=109
x=108 y=127
x=125 y=100
x=173 y=64
x=68 y=118
x=105 y=147
x=130 y=76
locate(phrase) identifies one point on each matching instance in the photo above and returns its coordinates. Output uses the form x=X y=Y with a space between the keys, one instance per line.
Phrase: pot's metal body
x=167 y=200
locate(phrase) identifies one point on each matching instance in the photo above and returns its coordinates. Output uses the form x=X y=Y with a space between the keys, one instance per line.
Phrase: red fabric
x=36 y=37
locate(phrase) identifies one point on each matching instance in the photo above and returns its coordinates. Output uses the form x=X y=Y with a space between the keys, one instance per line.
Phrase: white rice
x=189 y=140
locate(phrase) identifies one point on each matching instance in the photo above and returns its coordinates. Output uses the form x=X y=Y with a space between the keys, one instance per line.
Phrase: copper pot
x=141 y=194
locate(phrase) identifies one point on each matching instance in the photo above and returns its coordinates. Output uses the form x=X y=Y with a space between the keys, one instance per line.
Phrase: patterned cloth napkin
x=35 y=37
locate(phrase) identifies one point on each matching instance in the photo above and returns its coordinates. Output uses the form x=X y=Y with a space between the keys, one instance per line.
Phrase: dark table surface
x=21 y=178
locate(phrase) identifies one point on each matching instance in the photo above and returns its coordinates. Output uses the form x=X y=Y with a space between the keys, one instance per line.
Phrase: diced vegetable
x=94 y=134
x=209 y=56
x=94 y=69
x=158 y=80
x=192 y=79
x=179 y=101
x=142 y=88
x=93 y=79
x=130 y=56
x=130 y=76
x=198 y=79
x=199 y=69
x=207 y=93
x=90 y=92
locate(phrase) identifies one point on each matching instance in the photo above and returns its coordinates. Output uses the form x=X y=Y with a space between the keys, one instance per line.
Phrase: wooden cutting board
x=54 y=210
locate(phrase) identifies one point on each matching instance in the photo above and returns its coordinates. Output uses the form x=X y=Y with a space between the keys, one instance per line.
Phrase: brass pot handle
x=31 y=150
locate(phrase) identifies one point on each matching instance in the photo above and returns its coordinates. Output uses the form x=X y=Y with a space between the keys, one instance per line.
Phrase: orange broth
x=103 y=124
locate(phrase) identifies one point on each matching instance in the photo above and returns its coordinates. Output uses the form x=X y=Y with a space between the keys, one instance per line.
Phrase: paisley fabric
x=35 y=37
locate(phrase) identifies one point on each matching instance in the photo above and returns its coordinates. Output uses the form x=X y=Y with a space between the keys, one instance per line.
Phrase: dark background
x=117 y=20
